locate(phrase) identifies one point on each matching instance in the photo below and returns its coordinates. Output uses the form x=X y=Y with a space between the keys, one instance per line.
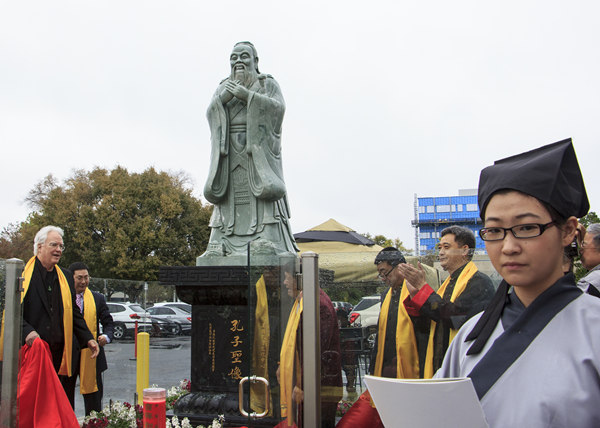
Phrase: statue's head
x=244 y=61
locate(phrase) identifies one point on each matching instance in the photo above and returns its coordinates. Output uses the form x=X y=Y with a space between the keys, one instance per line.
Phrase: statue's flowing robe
x=245 y=180
x=554 y=382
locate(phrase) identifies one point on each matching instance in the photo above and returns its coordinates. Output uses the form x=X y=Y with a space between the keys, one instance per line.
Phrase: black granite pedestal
x=222 y=338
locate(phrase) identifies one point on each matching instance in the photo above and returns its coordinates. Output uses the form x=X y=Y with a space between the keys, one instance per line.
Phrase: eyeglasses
x=56 y=245
x=385 y=275
x=520 y=231
x=583 y=247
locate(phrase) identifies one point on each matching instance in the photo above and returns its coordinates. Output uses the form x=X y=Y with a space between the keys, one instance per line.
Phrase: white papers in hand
x=426 y=403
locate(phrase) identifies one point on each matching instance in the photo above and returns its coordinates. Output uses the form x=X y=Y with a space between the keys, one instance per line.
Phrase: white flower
x=218 y=423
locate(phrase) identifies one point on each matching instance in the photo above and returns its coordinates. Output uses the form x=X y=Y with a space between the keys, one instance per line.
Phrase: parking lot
x=169 y=363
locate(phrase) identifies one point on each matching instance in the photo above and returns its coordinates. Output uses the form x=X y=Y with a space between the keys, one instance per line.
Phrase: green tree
x=122 y=225
x=159 y=293
x=589 y=218
x=384 y=241
x=16 y=241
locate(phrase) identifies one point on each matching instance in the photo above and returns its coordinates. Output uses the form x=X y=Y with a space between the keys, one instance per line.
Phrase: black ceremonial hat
x=549 y=173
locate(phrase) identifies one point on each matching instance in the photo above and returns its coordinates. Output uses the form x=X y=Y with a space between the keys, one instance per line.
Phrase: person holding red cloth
x=48 y=303
x=48 y=297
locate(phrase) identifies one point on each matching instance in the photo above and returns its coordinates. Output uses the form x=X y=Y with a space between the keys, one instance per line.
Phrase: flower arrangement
x=125 y=415
x=185 y=423
x=116 y=415
x=175 y=392
x=343 y=407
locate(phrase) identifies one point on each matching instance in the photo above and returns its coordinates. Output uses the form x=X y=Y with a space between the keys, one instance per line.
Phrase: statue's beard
x=244 y=76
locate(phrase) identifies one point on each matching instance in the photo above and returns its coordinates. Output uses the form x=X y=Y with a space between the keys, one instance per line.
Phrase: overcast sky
x=385 y=99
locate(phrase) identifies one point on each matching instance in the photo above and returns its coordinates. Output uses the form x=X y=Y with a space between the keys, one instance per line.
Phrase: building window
x=431 y=209
x=443 y=208
x=421 y=210
x=472 y=207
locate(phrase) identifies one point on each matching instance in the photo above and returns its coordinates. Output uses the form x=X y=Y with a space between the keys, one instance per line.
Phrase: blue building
x=434 y=214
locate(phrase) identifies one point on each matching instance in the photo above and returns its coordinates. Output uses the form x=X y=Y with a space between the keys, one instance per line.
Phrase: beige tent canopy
x=351 y=256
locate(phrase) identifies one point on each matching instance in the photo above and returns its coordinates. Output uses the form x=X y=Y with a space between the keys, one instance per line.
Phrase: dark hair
x=462 y=236
x=77 y=266
x=391 y=255
x=556 y=217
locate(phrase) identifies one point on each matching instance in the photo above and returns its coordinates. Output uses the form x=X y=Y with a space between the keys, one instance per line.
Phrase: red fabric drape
x=361 y=414
x=41 y=398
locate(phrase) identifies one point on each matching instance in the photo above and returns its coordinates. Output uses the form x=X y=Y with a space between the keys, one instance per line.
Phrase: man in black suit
x=95 y=312
x=49 y=309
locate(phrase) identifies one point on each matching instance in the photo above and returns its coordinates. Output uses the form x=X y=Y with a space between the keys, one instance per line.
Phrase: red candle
x=155 y=408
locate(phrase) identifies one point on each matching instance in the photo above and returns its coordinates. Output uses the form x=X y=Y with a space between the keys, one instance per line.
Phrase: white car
x=126 y=314
x=366 y=312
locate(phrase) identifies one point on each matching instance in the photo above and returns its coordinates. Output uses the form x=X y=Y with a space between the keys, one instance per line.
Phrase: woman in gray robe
x=534 y=354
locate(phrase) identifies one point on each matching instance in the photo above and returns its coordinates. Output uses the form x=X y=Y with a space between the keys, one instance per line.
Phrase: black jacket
x=36 y=310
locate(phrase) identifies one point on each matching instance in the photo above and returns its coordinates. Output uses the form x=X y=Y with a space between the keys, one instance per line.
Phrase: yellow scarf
x=459 y=287
x=407 y=356
x=87 y=366
x=260 y=347
x=65 y=291
x=287 y=357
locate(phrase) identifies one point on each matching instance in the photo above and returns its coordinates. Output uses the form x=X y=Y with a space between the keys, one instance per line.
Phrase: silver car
x=125 y=316
x=181 y=305
x=180 y=321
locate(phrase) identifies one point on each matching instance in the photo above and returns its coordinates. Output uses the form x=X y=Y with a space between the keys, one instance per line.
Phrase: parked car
x=342 y=310
x=345 y=306
x=180 y=305
x=126 y=314
x=179 y=320
x=366 y=312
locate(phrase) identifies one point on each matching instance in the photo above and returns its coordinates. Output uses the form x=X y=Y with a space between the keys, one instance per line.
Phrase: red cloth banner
x=41 y=399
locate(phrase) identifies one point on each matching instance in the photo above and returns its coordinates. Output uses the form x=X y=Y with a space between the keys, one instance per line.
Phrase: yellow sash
x=87 y=366
x=260 y=347
x=459 y=287
x=407 y=356
x=287 y=356
x=65 y=291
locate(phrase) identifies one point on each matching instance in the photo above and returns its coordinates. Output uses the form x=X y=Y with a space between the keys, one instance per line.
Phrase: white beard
x=245 y=77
